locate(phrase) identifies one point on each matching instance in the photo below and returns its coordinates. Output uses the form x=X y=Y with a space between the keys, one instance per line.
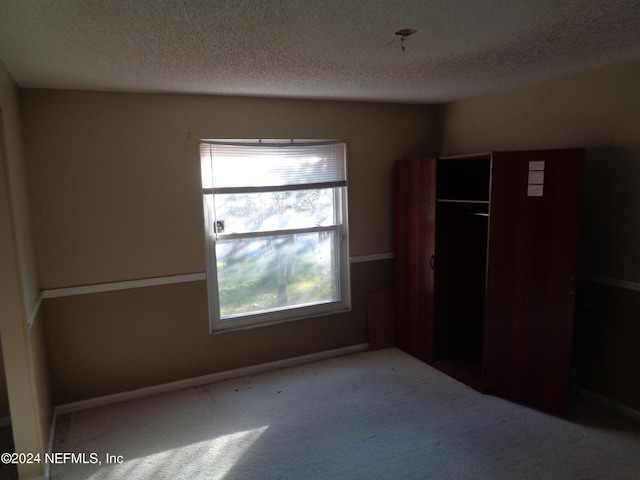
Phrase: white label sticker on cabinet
x=534 y=190
x=536 y=177
x=536 y=165
x=535 y=181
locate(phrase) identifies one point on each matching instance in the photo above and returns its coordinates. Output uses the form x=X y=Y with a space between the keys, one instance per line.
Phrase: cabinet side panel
x=414 y=247
x=533 y=239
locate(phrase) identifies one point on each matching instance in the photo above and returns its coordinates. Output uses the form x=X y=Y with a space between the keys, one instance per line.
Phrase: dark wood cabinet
x=485 y=262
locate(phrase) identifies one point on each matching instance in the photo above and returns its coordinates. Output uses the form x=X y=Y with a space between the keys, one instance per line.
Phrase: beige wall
x=116 y=176
x=116 y=197
x=23 y=348
x=599 y=110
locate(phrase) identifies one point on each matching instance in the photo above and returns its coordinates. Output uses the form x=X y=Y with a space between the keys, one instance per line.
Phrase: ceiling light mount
x=403 y=34
x=406 y=32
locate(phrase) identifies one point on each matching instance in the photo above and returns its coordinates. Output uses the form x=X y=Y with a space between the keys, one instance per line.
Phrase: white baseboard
x=52 y=434
x=204 y=380
x=609 y=404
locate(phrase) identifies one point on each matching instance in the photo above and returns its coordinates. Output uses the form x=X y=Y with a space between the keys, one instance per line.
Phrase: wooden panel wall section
x=532 y=266
x=414 y=236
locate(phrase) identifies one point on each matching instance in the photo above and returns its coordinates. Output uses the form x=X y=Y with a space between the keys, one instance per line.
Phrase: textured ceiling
x=339 y=49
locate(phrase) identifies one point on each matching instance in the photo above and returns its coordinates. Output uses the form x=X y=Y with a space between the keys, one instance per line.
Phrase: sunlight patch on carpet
x=218 y=456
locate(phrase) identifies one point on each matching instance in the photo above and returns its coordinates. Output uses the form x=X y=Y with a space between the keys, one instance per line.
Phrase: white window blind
x=255 y=167
x=276 y=229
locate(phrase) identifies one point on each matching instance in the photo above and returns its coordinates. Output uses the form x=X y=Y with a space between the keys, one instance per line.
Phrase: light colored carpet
x=374 y=415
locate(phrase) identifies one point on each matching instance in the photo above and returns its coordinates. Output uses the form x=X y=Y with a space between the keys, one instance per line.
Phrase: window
x=276 y=230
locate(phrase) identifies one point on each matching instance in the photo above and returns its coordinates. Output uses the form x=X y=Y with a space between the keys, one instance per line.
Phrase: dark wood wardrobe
x=485 y=269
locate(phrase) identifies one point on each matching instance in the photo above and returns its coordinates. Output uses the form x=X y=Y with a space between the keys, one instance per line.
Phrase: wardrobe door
x=414 y=256
x=532 y=264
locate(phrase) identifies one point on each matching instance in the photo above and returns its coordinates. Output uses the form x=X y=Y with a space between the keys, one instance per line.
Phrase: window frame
x=287 y=313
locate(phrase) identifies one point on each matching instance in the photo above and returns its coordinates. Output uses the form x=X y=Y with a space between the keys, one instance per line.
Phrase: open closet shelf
x=449 y=200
